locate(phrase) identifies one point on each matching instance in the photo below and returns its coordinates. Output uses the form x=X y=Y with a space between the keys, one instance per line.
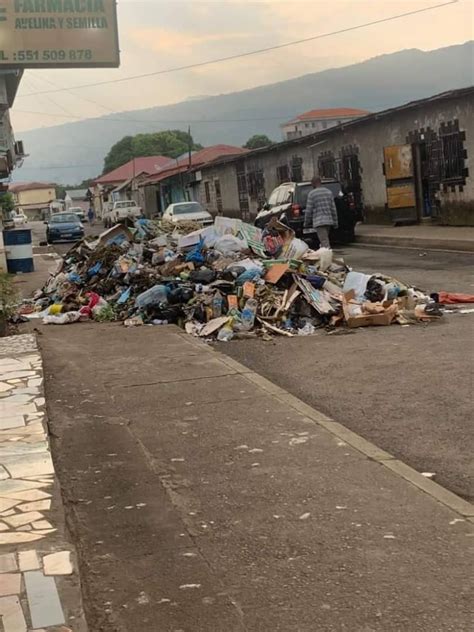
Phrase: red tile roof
x=331 y=113
x=29 y=186
x=203 y=156
x=144 y=164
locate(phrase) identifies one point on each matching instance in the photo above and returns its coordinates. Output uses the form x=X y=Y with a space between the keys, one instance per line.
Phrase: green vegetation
x=8 y=300
x=258 y=140
x=7 y=205
x=171 y=143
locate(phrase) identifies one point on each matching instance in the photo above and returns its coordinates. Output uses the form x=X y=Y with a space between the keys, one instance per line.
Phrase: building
x=11 y=152
x=180 y=181
x=122 y=183
x=410 y=163
x=33 y=198
x=319 y=120
x=78 y=198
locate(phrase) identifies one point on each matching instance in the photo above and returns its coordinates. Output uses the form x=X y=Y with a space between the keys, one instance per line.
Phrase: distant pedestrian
x=90 y=215
x=321 y=213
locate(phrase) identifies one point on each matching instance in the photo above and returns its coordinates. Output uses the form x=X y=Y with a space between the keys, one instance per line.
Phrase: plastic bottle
x=248 y=314
x=217 y=304
x=226 y=333
x=155 y=295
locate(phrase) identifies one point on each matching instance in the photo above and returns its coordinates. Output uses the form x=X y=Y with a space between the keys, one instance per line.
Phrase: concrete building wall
x=226 y=175
x=457 y=206
x=35 y=196
x=267 y=162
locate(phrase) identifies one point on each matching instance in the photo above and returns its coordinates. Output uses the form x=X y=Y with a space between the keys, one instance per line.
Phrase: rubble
x=229 y=280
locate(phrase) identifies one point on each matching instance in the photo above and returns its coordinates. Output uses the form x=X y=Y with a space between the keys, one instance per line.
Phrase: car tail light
x=295 y=210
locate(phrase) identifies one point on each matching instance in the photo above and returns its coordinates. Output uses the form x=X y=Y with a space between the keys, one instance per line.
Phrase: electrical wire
x=129 y=120
x=246 y=54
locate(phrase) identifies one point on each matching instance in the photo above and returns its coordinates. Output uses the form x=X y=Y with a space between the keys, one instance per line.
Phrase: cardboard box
x=354 y=319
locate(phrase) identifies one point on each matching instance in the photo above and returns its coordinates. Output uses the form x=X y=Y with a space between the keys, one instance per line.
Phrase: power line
x=247 y=54
x=187 y=121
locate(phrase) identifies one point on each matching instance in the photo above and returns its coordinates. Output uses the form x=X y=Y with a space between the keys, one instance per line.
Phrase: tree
x=7 y=204
x=258 y=140
x=171 y=143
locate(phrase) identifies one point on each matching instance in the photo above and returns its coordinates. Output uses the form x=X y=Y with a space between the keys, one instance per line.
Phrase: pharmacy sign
x=58 y=34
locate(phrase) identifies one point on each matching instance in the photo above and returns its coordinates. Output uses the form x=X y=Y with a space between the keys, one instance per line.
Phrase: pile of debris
x=227 y=280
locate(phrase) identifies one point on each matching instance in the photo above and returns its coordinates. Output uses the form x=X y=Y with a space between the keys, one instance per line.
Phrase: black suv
x=288 y=203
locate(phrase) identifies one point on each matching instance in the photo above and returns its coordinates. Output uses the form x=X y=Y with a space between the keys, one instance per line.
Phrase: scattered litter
x=187 y=586
x=305 y=516
x=228 y=281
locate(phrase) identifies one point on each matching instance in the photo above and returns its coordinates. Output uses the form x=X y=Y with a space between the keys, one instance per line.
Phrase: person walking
x=90 y=216
x=321 y=213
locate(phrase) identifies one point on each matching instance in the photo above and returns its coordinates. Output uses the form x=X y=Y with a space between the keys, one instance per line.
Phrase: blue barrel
x=19 y=250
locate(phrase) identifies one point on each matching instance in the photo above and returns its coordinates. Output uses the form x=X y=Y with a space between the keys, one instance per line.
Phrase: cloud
x=158 y=35
x=175 y=42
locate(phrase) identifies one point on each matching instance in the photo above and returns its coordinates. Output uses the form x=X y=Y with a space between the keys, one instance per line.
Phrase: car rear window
x=70 y=218
x=192 y=207
x=302 y=194
x=303 y=191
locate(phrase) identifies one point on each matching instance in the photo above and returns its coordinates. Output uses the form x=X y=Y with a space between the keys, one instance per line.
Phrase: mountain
x=74 y=151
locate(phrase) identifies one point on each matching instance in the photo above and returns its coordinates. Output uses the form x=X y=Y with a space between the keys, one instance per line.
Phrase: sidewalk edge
x=460 y=245
x=370 y=450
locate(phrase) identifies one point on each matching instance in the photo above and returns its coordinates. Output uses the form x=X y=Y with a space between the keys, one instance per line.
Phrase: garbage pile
x=228 y=280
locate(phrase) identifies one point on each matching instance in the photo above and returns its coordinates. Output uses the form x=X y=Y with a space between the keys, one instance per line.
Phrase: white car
x=188 y=212
x=19 y=219
x=120 y=211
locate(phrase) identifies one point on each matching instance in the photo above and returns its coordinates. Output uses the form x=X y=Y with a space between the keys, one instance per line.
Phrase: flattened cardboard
x=367 y=320
x=275 y=272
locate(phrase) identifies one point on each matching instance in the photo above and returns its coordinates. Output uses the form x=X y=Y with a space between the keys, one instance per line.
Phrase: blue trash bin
x=19 y=250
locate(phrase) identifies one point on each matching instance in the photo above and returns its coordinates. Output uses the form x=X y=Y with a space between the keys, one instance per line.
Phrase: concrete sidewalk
x=204 y=498
x=460 y=238
x=39 y=586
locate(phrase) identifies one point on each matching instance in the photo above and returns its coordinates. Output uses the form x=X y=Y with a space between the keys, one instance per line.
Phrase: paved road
x=409 y=390
x=201 y=502
x=38 y=230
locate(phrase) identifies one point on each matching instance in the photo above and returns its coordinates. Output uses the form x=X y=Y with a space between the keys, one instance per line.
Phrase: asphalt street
x=407 y=389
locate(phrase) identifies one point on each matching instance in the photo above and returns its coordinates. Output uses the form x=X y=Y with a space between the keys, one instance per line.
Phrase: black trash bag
x=180 y=294
x=231 y=273
x=204 y=276
x=375 y=291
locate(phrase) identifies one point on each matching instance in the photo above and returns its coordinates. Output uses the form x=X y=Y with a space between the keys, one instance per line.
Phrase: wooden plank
x=398 y=162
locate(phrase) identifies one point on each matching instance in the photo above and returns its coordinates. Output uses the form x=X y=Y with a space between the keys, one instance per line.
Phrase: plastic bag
x=294 y=249
x=62 y=319
x=229 y=245
x=153 y=296
x=325 y=258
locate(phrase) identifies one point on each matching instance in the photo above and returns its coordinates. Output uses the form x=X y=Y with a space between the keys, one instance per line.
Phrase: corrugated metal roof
x=203 y=156
x=143 y=164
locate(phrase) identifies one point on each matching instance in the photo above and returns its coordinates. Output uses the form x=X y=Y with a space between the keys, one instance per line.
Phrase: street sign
x=58 y=34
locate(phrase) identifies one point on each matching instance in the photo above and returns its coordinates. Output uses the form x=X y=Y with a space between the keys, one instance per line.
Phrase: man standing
x=320 y=212
x=90 y=215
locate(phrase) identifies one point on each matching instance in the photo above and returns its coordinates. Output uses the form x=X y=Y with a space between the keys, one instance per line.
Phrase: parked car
x=79 y=212
x=288 y=203
x=121 y=211
x=64 y=227
x=19 y=219
x=186 y=212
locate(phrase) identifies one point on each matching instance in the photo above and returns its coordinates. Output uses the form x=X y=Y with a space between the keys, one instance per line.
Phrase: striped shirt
x=320 y=209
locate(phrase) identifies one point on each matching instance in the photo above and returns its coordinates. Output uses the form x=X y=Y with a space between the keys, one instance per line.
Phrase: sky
x=158 y=34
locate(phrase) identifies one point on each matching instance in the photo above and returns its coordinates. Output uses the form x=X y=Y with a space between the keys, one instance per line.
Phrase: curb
x=370 y=450
x=416 y=242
